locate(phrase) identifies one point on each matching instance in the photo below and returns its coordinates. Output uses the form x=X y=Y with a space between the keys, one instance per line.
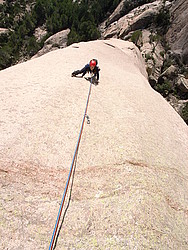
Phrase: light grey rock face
x=138 y=18
x=139 y=26
x=152 y=52
x=3 y=30
x=40 y=33
x=120 y=11
x=177 y=35
x=178 y=105
x=183 y=84
x=130 y=186
x=58 y=40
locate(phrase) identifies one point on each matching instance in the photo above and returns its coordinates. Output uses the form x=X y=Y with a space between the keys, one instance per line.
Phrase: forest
x=22 y=17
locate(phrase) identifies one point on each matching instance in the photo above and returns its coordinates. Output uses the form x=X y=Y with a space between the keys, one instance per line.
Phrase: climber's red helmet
x=92 y=63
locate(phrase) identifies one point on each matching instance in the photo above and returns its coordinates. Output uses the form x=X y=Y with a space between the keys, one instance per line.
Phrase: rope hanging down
x=52 y=245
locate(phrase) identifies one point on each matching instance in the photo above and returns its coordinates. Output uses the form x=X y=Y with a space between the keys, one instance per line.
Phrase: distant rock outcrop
x=161 y=51
x=40 y=33
x=138 y=18
x=131 y=181
x=177 y=35
x=126 y=27
x=57 y=41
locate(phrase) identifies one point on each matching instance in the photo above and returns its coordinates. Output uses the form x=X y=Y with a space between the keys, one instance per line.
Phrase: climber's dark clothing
x=87 y=69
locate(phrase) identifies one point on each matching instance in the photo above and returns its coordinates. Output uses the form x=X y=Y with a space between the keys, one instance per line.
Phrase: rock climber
x=90 y=67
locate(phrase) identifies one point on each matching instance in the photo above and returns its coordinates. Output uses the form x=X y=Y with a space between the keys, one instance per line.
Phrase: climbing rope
x=55 y=242
x=56 y=232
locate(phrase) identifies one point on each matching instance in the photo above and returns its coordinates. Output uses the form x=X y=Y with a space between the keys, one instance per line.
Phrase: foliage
x=82 y=17
x=166 y=64
x=130 y=5
x=185 y=113
x=165 y=88
x=149 y=56
x=183 y=69
x=22 y=17
x=162 y=20
x=162 y=53
x=136 y=36
x=154 y=39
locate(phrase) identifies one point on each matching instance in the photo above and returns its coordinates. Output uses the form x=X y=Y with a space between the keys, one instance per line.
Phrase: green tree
x=73 y=37
x=5 y=57
x=22 y=31
x=82 y=17
x=163 y=20
x=39 y=12
x=32 y=46
x=136 y=36
x=185 y=113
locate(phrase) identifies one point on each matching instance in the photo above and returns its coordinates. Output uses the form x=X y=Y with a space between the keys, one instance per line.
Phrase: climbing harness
x=72 y=169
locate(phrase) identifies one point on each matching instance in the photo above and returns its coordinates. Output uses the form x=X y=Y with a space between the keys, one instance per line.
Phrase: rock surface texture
x=177 y=35
x=131 y=181
x=59 y=40
x=138 y=18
